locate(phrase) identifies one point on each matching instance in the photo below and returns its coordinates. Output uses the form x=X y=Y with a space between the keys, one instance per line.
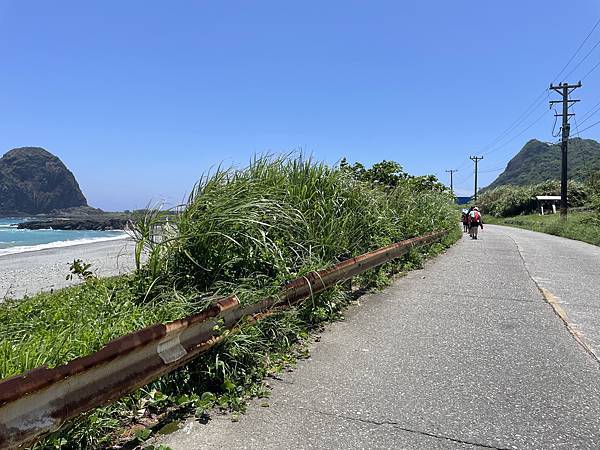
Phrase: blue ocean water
x=13 y=240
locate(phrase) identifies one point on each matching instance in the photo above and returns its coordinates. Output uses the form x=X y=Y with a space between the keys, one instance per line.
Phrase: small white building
x=548 y=202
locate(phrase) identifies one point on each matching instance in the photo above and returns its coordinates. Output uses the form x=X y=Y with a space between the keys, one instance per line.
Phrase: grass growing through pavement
x=580 y=225
x=242 y=231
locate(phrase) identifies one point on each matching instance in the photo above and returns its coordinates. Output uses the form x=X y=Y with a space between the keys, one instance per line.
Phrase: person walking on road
x=475 y=221
x=465 y=220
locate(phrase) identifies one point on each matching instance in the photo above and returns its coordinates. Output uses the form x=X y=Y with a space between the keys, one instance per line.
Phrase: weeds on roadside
x=245 y=232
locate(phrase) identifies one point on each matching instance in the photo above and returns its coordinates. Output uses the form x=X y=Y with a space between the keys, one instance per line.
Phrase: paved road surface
x=466 y=353
x=569 y=273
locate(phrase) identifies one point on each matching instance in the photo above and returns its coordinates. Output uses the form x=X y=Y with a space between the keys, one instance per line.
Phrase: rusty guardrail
x=38 y=402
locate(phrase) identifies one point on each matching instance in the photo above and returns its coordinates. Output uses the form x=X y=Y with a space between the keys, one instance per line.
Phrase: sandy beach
x=43 y=270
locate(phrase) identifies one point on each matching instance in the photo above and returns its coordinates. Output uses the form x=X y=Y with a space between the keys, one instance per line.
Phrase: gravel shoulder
x=465 y=353
x=44 y=270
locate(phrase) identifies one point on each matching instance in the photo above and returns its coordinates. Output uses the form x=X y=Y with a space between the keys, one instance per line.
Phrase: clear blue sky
x=140 y=97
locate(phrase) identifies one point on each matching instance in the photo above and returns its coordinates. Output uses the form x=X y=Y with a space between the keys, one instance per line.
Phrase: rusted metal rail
x=38 y=402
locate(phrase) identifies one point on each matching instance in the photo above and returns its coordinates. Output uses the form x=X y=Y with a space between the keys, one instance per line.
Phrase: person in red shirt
x=475 y=221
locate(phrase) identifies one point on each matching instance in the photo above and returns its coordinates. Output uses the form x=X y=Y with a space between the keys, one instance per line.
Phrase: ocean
x=14 y=240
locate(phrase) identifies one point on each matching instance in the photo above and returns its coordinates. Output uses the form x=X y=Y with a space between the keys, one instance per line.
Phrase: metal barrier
x=38 y=402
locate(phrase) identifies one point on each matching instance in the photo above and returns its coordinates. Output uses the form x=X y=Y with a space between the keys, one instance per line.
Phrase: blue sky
x=140 y=97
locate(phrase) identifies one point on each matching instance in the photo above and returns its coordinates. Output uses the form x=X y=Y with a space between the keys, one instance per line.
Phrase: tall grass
x=241 y=231
x=280 y=218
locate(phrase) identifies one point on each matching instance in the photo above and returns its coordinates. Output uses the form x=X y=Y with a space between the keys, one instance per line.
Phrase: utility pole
x=565 y=90
x=475 y=159
x=451 y=184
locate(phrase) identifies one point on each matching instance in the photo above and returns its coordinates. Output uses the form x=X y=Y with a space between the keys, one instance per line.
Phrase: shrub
x=505 y=201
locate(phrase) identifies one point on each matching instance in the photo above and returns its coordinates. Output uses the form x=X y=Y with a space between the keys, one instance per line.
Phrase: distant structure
x=549 y=202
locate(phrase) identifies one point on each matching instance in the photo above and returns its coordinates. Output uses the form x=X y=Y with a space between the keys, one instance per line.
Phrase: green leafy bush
x=506 y=201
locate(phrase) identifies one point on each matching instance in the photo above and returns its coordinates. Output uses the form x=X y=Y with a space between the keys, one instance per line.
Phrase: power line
x=496 y=144
x=582 y=59
x=590 y=113
x=577 y=51
x=535 y=104
x=539 y=99
x=587 y=128
x=518 y=135
x=464 y=179
x=493 y=170
x=590 y=71
x=576 y=126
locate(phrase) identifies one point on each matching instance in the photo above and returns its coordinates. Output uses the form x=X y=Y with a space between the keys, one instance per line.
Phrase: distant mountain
x=538 y=162
x=34 y=181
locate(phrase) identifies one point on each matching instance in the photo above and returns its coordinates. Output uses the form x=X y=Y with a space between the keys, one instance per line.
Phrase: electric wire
x=590 y=126
x=583 y=59
x=590 y=112
x=534 y=105
x=517 y=135
x=576 y=126
x=577 y=51
x=497 y=144
x=493 y=170
x=590 y=71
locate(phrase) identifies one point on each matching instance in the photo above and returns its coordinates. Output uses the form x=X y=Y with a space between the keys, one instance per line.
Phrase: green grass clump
x=245 y=232
x=54 y=328
x=581 y=226
x=249 y=230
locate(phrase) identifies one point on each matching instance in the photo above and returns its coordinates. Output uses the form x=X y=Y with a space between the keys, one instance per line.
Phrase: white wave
x=59 y=244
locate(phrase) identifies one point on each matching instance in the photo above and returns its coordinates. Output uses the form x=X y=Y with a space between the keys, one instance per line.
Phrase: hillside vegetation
x=243 y=232
x=538 y=162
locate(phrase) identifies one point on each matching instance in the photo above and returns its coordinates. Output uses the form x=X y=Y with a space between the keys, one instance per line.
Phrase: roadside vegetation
x=516 y=206
x=508 y=201
x=243 y=232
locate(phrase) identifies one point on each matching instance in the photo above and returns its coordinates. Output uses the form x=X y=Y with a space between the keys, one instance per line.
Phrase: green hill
x=538 y=162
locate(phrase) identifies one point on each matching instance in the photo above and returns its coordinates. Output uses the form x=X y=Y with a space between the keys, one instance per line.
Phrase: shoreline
x=17 y=250
x=42 y=270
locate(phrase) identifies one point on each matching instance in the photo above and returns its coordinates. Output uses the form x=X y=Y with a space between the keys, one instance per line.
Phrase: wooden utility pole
x=475 y=159
x=451 y=183
x=565 y=90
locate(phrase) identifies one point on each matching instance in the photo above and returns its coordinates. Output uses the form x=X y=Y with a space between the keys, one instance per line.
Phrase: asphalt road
x=466 y=353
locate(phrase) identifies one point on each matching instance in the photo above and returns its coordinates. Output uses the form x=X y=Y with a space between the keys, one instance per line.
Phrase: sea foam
x=59 y=244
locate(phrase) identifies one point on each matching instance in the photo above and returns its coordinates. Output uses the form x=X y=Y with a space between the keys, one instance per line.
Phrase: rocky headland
x=34 y=181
